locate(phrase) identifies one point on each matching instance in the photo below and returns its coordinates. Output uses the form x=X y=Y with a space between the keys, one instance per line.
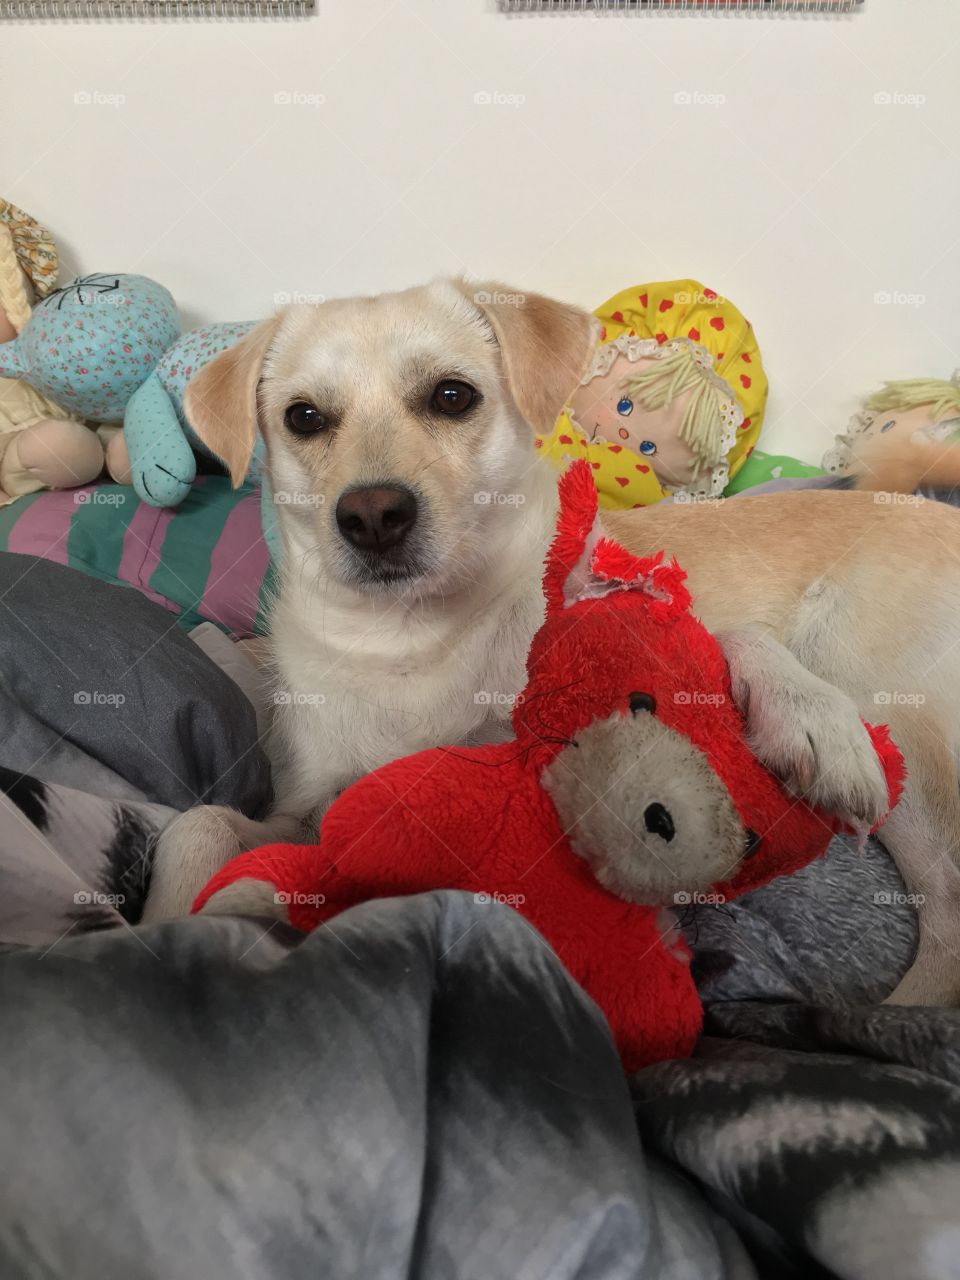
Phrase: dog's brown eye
x=305 y=419
x=452 y=397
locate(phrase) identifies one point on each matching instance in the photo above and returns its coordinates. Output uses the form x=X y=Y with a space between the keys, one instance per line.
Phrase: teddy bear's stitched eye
x=625 y=407
x=658 y=822
x=647 y=448
x=642 y=702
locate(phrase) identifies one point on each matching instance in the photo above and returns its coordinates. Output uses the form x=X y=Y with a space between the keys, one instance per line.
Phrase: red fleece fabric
x=479 y=819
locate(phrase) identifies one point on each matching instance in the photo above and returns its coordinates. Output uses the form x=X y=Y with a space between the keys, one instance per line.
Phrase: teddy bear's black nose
x=752 y=843
x=643 y=702
x=658 y=822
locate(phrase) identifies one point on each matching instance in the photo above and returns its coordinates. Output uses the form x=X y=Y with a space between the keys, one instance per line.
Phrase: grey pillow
x=100 y=690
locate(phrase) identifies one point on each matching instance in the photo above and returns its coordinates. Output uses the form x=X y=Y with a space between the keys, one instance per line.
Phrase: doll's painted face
x=603 y=410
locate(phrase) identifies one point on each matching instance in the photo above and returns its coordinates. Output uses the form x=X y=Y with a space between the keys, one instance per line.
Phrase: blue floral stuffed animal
x=109 y=349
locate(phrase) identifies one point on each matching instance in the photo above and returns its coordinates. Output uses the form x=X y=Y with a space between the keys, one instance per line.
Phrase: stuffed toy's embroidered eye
x=453 y=397
x=305 y=419
x=642 y=702
x=625 y=407
x=658 y=822
x=647 y=448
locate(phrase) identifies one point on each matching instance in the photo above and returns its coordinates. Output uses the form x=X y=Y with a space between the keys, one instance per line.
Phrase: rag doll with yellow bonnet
x=673 y=401
x=41 y=445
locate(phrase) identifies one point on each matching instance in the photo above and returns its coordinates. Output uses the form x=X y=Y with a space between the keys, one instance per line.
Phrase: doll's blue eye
x=625 y=407
x=647 y=448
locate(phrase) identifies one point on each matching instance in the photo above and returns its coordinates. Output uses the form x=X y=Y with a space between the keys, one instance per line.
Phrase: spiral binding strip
x=693 y=6
x=29 y=9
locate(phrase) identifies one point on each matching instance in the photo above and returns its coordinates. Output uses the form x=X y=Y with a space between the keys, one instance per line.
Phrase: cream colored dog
x=415 y=516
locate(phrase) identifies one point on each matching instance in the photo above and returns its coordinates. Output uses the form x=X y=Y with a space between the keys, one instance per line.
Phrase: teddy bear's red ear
x=582 y=564
x=570 y=558
x=662 y=581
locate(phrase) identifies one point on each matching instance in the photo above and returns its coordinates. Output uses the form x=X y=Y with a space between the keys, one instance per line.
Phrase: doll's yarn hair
x=942 y=397
x=674 y=373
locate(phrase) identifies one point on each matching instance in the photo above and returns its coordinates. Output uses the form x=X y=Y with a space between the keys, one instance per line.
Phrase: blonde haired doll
x=673 y=401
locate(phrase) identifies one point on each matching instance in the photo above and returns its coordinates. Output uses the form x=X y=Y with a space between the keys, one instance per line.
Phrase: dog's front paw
x=805 y=731
x=814 y=740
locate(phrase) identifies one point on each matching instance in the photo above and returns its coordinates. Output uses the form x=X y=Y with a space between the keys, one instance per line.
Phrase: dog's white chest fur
x=356 y=688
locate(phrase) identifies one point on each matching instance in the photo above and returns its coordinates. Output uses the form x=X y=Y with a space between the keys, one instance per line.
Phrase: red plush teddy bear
x=629 y=788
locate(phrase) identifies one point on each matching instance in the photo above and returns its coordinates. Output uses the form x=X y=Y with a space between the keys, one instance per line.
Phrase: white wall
x=799 y=196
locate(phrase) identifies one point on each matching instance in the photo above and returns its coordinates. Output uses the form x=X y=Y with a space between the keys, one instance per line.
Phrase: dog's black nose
x=376 y=519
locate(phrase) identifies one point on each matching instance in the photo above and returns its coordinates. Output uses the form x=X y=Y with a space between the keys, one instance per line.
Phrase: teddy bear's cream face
x=643 y=806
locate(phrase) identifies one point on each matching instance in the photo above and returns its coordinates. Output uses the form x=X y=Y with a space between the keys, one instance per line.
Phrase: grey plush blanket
x=420 y=1090
x=417 y=1089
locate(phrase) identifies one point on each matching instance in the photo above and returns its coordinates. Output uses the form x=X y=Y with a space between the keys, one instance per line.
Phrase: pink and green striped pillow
x=205 y=561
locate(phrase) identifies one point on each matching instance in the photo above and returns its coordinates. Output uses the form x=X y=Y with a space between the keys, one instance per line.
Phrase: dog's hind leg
x=810 y=734
x=923 y=836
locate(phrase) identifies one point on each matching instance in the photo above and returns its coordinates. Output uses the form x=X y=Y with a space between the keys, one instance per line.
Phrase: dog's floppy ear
x=546 y=345
x=221 y=401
